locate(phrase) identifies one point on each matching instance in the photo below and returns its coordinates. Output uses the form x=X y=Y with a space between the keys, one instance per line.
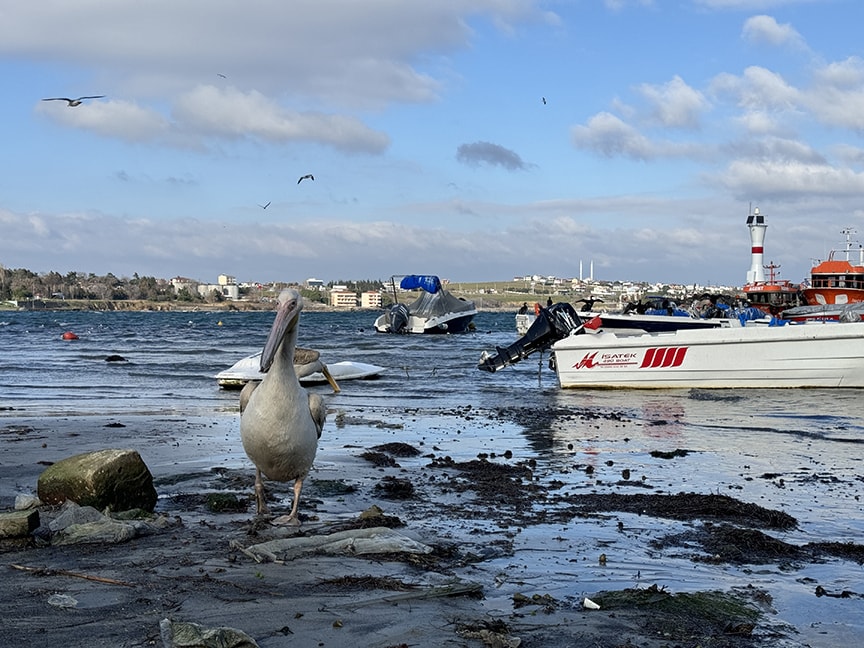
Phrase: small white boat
x=247 y=369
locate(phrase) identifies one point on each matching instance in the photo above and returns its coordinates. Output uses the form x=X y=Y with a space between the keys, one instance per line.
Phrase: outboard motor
x=552 y=324
x=398 y=318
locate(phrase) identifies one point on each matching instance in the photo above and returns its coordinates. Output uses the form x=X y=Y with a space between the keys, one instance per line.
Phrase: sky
x=478 y=140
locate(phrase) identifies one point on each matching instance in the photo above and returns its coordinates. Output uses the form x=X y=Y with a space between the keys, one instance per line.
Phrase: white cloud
x=757 y=89
x=231 y=113
x=121 y=119
x=837 y=96
x=350 y=54
x=765 y=29
x=207 y=111
x=609 y=136
x=675 y=104
x=780 y=178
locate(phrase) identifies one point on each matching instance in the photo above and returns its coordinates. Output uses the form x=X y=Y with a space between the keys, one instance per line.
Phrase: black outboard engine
x=398 y=318
x=552 y=324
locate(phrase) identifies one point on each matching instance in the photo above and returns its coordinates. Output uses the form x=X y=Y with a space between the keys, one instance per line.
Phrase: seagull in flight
x=308 y=176
x=74 y=102
x=265 y=206
x=544 y=100
x=219 y=74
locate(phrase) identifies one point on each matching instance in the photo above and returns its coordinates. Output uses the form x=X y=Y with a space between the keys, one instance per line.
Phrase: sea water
x=799 y=451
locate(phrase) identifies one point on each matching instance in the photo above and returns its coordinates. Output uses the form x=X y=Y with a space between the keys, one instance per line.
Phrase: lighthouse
x=756 y=223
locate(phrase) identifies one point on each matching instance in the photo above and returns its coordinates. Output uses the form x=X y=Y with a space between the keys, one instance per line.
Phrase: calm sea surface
x=795 y=450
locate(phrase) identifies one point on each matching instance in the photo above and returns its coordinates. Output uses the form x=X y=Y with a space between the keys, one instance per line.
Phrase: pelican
x=73 y=102
x=280 y=422
x=308 y=176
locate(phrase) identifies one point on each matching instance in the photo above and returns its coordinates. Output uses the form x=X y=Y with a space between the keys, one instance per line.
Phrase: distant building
x=314 y=284
x=343 y=298
x=179 y=283
x=370 y=299
x=230 y=291
x=226 y=286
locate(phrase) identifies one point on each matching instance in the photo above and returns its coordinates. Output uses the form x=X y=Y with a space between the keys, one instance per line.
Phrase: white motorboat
x=434 y=311
x=247 y=369
x=813 y=354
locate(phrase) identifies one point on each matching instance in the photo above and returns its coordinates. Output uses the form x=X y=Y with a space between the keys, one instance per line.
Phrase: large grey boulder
x=112 y=479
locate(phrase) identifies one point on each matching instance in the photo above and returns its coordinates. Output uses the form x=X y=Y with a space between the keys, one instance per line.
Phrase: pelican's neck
x=283 y=363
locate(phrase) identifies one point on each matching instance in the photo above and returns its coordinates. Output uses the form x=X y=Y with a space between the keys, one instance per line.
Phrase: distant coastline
x=127 y=305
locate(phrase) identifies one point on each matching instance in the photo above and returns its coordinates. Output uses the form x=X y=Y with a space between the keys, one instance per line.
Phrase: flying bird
x=219 y=74
x=74 y=102
x=280 y=422
x=544 y=100
x=308 y=176
x=265 y=206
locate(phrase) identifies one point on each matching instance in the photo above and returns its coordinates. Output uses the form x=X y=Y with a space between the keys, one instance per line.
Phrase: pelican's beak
x=290 y=305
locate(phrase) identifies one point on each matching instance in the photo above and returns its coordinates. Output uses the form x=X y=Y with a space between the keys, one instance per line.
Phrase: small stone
x=24 y=501
x=18 y=524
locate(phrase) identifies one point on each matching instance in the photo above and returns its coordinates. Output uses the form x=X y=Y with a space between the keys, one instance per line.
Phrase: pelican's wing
x=246 y=394
x=318 y=409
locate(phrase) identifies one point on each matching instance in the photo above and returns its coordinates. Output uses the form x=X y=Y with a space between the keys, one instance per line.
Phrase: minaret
x=756 y=223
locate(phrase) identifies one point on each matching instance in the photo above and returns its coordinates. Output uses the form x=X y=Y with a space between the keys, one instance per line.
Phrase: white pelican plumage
x=280 y=422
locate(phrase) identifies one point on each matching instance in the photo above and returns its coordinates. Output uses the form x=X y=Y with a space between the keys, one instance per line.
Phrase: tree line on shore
x=20 y=284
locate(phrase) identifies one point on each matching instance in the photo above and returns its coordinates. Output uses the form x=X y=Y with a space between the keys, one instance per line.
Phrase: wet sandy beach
x=527 y=510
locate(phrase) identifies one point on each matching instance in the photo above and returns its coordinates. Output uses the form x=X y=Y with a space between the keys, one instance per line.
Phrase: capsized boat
x=763 y=353
x=838 y=281
x=248 y=368
x=435 y=311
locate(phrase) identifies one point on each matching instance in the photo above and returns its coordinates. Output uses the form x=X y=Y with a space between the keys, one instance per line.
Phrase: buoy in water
x=69 y=335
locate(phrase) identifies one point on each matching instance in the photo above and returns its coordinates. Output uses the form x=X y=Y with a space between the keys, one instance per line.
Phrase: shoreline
x=228 y=306
x=470 y=484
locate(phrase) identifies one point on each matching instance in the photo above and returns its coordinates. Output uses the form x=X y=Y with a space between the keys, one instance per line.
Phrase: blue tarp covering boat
x=429 y=283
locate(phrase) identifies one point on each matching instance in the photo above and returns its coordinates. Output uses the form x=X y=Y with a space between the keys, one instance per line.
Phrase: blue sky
x=425 y=129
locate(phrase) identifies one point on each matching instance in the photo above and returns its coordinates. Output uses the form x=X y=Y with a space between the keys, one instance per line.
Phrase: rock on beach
x=113 y=479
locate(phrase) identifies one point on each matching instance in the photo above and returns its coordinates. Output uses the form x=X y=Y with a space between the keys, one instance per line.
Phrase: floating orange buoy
x=69 y=335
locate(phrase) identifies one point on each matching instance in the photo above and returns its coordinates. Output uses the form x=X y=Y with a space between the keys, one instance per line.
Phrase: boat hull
x=450 y=323
x=247 y=369
x=806 y=355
